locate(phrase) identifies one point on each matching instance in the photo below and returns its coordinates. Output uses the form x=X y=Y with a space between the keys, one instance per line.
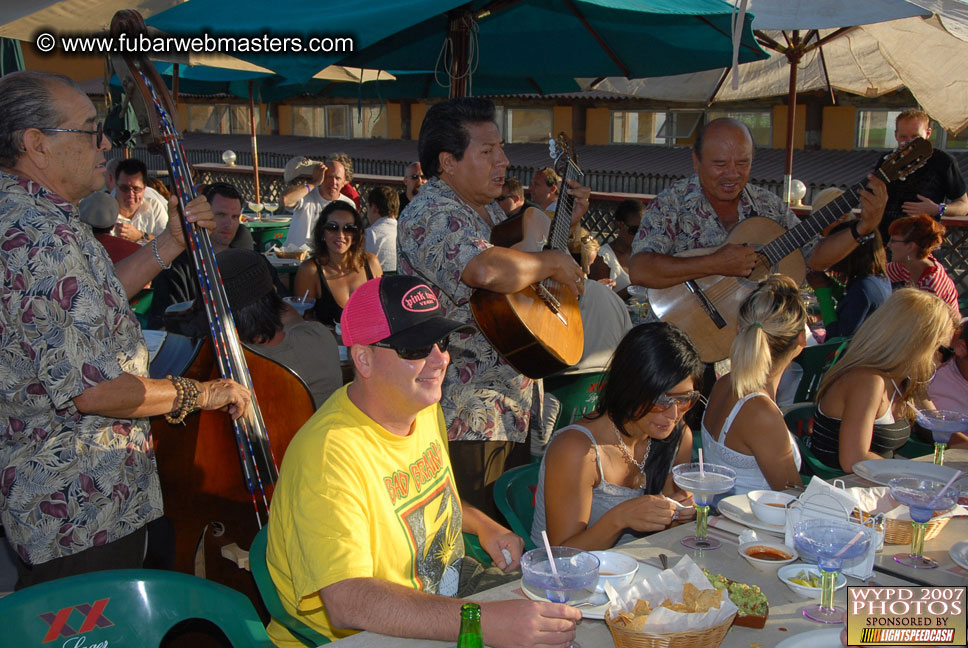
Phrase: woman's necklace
x=628 y=453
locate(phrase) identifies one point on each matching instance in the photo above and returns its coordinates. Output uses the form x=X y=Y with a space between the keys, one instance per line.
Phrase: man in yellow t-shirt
x=365 y=529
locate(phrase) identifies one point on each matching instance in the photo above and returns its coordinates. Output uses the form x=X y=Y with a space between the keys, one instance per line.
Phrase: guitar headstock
x=562 y=149
x=906 y=160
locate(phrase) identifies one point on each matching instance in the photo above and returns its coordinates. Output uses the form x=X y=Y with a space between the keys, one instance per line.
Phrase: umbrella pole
x=457 y=33
x=793 y=55
x=255 y=147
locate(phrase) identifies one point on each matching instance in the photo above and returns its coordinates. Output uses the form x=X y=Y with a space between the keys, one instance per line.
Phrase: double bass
x=216 y=474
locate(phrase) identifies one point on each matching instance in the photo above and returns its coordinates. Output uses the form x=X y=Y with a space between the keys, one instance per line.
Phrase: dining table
x=956 y=530
x=785 y=620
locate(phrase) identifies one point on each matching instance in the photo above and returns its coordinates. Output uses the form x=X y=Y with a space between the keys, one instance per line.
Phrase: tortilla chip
x=642 y=608
x=711 y=598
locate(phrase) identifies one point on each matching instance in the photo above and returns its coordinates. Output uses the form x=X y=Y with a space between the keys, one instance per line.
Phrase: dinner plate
x=826 y=638
x=592 y=611
x=279 y=261
x=959 y=553
x=737 y=508
x=881 y=471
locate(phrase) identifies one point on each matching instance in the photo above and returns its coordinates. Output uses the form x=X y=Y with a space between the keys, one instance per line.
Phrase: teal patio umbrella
x=525 y=39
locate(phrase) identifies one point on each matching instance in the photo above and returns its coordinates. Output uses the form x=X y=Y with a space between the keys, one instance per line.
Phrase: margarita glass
x=256 y=207
x=705 y=482
x=942 y=423
x=921 y=498
x=270 y=207
x=830 y=543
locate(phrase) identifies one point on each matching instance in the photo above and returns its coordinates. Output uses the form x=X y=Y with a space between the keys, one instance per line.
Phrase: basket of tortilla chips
x=677 y=608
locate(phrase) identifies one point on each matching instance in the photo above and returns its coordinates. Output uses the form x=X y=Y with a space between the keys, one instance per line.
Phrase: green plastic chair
x=473 y=548
x=141 y=304
x=577 y=393
x=815 y=361
x=799 y=419
x=270 y=597
x=915 y=448
x=126 y=607
x=514 y=495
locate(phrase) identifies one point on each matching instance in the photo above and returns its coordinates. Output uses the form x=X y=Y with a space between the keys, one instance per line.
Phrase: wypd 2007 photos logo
x=906 y=616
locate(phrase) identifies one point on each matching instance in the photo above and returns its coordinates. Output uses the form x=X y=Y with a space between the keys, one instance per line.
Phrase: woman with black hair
x=338 y=264
x=604 y=479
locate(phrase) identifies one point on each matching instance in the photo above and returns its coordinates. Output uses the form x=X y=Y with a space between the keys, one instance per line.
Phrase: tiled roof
x=819 y=168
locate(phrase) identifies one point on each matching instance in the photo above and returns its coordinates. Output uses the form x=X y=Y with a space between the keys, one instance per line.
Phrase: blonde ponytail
x=770 y=321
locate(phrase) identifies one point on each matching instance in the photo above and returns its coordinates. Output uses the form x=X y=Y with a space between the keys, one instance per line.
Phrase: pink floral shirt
x=68 y=481
x=485 y=398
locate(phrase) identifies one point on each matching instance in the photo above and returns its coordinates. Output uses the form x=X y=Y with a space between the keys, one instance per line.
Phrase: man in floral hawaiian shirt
x=78 y=481
x=444 y=238
x=699 y=211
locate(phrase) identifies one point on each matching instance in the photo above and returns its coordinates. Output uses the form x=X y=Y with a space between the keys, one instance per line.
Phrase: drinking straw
x=551 y=557
x=305 y=296
x=847 y=546
x=946 y=487
x=702 y=469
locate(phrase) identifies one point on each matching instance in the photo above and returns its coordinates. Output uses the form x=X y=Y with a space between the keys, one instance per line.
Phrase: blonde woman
x=742 y=426
x=864 y=401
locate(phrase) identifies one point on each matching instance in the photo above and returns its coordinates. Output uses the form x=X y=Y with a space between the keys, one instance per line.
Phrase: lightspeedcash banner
x=906 y=616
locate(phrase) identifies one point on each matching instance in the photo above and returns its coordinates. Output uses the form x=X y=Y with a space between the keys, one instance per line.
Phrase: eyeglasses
x=681 y=401
x=349 y=228
x=633 y=229
x=417 y=176
x=98 y=132
x=126 y=188
x=896 y=240
x=416 y=353
x=946 y=352
x=502 y=198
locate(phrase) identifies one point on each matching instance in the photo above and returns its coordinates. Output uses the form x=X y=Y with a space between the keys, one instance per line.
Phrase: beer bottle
x=470 y=627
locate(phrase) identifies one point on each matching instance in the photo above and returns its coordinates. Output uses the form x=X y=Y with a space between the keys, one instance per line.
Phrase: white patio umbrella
x=868 y=48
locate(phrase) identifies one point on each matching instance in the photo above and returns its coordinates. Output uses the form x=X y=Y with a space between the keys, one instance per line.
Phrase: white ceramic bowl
x=769 y=506
x=769 y=546
x=787 y=572
x=616 y=568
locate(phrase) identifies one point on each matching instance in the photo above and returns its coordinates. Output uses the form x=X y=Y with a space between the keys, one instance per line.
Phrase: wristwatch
x=942 y=208
x=858 y=237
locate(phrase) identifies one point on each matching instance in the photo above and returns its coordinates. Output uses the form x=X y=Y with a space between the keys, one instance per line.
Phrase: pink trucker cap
x=400 y=310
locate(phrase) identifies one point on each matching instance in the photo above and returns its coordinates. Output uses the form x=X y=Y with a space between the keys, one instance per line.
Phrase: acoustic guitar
x=538 y=330
x=707 y=308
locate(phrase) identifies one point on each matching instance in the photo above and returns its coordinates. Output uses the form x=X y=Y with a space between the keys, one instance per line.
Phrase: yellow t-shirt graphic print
x=355 y=501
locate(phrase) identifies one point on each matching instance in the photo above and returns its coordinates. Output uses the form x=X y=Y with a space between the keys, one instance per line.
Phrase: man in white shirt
x=307 y=200
x=381 y=236
x=141 y=218
x=544 y=189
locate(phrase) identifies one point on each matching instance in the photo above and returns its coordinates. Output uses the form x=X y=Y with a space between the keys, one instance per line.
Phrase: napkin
x=668 y=584
x=728 y=526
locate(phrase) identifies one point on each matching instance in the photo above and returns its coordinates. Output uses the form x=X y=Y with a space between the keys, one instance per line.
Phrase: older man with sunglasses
x=366 y=521
x=79 y=484
x=143 y=212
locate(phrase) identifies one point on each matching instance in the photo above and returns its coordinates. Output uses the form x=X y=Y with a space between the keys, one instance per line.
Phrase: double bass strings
x=228 y=351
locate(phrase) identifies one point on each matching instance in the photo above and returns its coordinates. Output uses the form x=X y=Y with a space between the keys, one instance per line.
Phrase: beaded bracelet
x=186 y=401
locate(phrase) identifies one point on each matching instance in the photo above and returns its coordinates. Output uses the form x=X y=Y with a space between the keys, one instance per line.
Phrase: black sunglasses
x=502 y=198
x=946 y=353
x=416 y=353
x=633 y=229
x=417 y=176
x=349 y=228
x=99 y=132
